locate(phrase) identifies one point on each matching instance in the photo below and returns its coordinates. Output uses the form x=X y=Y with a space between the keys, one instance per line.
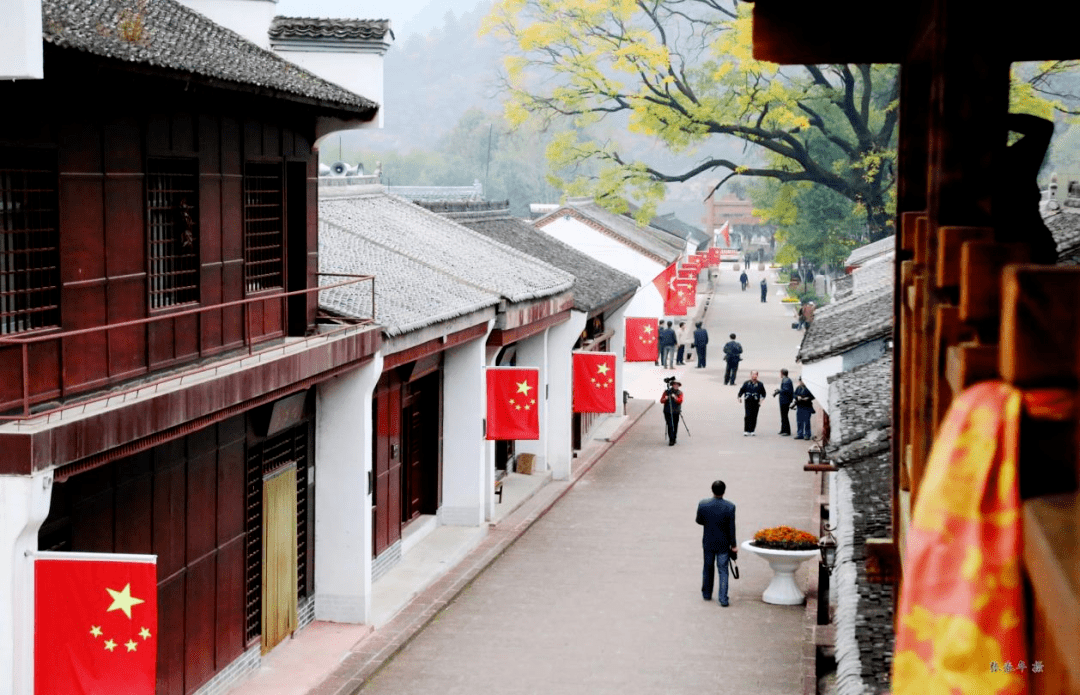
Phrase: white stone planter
x=782 y=590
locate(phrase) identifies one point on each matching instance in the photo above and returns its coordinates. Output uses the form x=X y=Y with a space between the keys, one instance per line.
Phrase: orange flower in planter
x=785 y=538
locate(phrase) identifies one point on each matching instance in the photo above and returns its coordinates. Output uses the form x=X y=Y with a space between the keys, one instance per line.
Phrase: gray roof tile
x=319 y=28
x=863 y=399
x=840 y=326
x=427 y=268
x=864 y=253
x=176 y=38
x=658 y=243
x=595 y=284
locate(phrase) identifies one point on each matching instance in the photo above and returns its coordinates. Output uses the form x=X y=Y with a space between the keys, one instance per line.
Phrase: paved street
x=602 y=594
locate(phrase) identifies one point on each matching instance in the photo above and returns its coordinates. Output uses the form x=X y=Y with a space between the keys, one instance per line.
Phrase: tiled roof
x=318 y=28
x=1065 y=226
x=659 y=243
x=418 y=251
x=404 y=295
x=843 y=325
x=595 y=284
x=875 y=248
x=864 y=410
x=174 y=38
x=674 y=226
x=843 y=287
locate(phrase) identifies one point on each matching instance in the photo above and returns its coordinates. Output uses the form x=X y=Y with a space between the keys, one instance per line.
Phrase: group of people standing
x=797 y=398
x=744 y=280
x=675 y=345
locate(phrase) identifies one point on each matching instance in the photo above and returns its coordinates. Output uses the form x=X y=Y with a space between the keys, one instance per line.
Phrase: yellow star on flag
x=131 y=645
x=110 y=645
x=523 y=387
x=144 y=633
x=647 y=329
x=123 y=600
x=95 y=631
x=602 y=369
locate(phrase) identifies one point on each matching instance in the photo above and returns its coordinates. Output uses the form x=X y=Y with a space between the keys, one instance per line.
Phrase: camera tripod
x=682 y=418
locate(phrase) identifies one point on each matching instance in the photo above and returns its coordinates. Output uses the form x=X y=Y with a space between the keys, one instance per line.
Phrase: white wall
x=617 y=320
x=342 y=500
x=20 y=40
x=561 y=341
x=533 y=352
x=604 y=248
x=816 y=377
x=467 y=473
x=24 y=504
x=359 y=72
x=249 y=18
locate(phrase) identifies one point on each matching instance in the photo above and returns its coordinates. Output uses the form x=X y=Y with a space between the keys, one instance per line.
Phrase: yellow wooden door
x=279 y=557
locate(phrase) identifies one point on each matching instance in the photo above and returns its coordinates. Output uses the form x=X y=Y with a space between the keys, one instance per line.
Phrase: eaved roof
x=840 y=326
x=426 y=267
x=174 y=38
x=863 y=254
x=320 y=28
x=595 y=283
x=653 y=242
x=1064 y=224
x=863 y=411
x=674 y=226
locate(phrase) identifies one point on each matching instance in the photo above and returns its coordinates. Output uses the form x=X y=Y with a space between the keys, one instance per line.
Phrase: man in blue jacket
x=717 y=515
x=701 y=340
x=667 y=341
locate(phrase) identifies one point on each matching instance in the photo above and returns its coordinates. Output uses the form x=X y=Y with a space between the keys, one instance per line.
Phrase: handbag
x=734 y=567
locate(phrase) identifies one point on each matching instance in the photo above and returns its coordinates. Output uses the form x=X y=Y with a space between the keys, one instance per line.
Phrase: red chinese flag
x=594 y=382
x=513 y=396
x=687 y=292
x=676 y=303
x=663 y=283
x=726 y=232
x=714 y=257
x=700 y=259
x=687 y=274
x=95 y=624
x=641 y=340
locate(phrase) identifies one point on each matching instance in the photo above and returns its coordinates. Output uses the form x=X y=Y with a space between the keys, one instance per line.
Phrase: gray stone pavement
x=601 y=591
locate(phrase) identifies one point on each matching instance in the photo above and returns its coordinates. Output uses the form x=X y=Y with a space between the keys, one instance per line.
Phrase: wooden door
x=279 y=557
x=413 y=468
x=386 y=463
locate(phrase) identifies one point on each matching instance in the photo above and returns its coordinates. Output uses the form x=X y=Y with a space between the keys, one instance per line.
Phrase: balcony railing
x=23 y=409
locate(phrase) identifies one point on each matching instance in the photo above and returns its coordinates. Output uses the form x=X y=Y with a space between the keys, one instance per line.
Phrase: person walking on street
x=672 y=399
x=685 y=336
x=746 y=261
x=732 y=356
x=701 y=341
x=718 y=543
x=750 y=395
x=744 y=279
x=667 y=340
x=764 y=289
x=804 y=408
x=787 y=394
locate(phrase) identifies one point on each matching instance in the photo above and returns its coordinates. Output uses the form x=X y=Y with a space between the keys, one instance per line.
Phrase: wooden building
x=161 y=353
x=967 y=308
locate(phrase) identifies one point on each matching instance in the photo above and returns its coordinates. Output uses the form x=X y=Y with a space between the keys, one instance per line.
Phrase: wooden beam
x=847 y=32
x=981 y=267
x=909 y=222
x=882 y=561
x=1040 y=329
x=969 y=363
x=949 y=241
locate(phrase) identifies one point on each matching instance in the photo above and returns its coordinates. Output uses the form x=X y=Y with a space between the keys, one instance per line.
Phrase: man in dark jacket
x=787 y=394
x=732 y=356
x=764 y=289
x=751 y=395
x=804 y=408
x=701 y=339
x=744 y=279
x=667 y=341
x=718 y=542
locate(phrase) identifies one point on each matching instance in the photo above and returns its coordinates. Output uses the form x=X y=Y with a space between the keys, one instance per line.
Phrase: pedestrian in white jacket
x=685 y=336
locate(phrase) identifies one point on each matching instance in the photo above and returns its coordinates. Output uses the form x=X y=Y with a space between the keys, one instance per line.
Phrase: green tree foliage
x=815 y=224
x=681 y=72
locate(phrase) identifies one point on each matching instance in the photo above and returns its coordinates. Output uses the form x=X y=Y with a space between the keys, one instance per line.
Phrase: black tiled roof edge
x=329 y=28
x=166 y=35
x=596 y=284
x=841 y=326
x=863 y=411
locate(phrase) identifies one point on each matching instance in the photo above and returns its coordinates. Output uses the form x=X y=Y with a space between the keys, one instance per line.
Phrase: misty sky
x=406 y=16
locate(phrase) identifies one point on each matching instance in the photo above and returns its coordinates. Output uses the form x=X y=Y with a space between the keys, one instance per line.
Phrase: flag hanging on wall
x=641 y=340
x=95 y=624
x=714 y=257
x=594 y=382
x=513 y=396
x=726 y=232
x=663 y=281
x=687 y=292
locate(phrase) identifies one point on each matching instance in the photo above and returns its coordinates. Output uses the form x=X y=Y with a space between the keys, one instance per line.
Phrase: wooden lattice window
x=263 y=459
x=264 y=226
x=172 y=209
x=29 y=253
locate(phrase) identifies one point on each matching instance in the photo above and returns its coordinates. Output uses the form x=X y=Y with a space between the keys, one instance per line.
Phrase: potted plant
x=784 y=548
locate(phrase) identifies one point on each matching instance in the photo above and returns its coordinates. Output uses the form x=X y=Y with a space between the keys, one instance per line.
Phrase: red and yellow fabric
x=641 y=343
x=714 y=257
x=961 y=610
x=686 y=291
x=725 y=231
x=512 y=408
x=687 y=273
x=95 y=624
x=594 y=382
x=663 y=281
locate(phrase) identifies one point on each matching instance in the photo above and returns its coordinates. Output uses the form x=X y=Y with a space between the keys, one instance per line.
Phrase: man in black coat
x=787 y=394
x=701 y=340
x=732 y=356
x=750 y=395
x=764 y=289
x=718 y=543
x=667 y=341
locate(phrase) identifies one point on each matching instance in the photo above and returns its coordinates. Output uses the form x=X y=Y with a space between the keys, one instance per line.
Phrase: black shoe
x=785 y=434
x=671 y=443
x=723 y=605
x=706 y=597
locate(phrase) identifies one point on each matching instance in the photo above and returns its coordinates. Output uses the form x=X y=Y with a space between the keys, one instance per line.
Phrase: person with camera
x=750 y=395
x=717 y=516
x=672 y=399
x=787 y=394
x=804 y=408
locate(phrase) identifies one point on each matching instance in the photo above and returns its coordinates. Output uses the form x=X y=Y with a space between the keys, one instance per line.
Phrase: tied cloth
x=961 y=608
